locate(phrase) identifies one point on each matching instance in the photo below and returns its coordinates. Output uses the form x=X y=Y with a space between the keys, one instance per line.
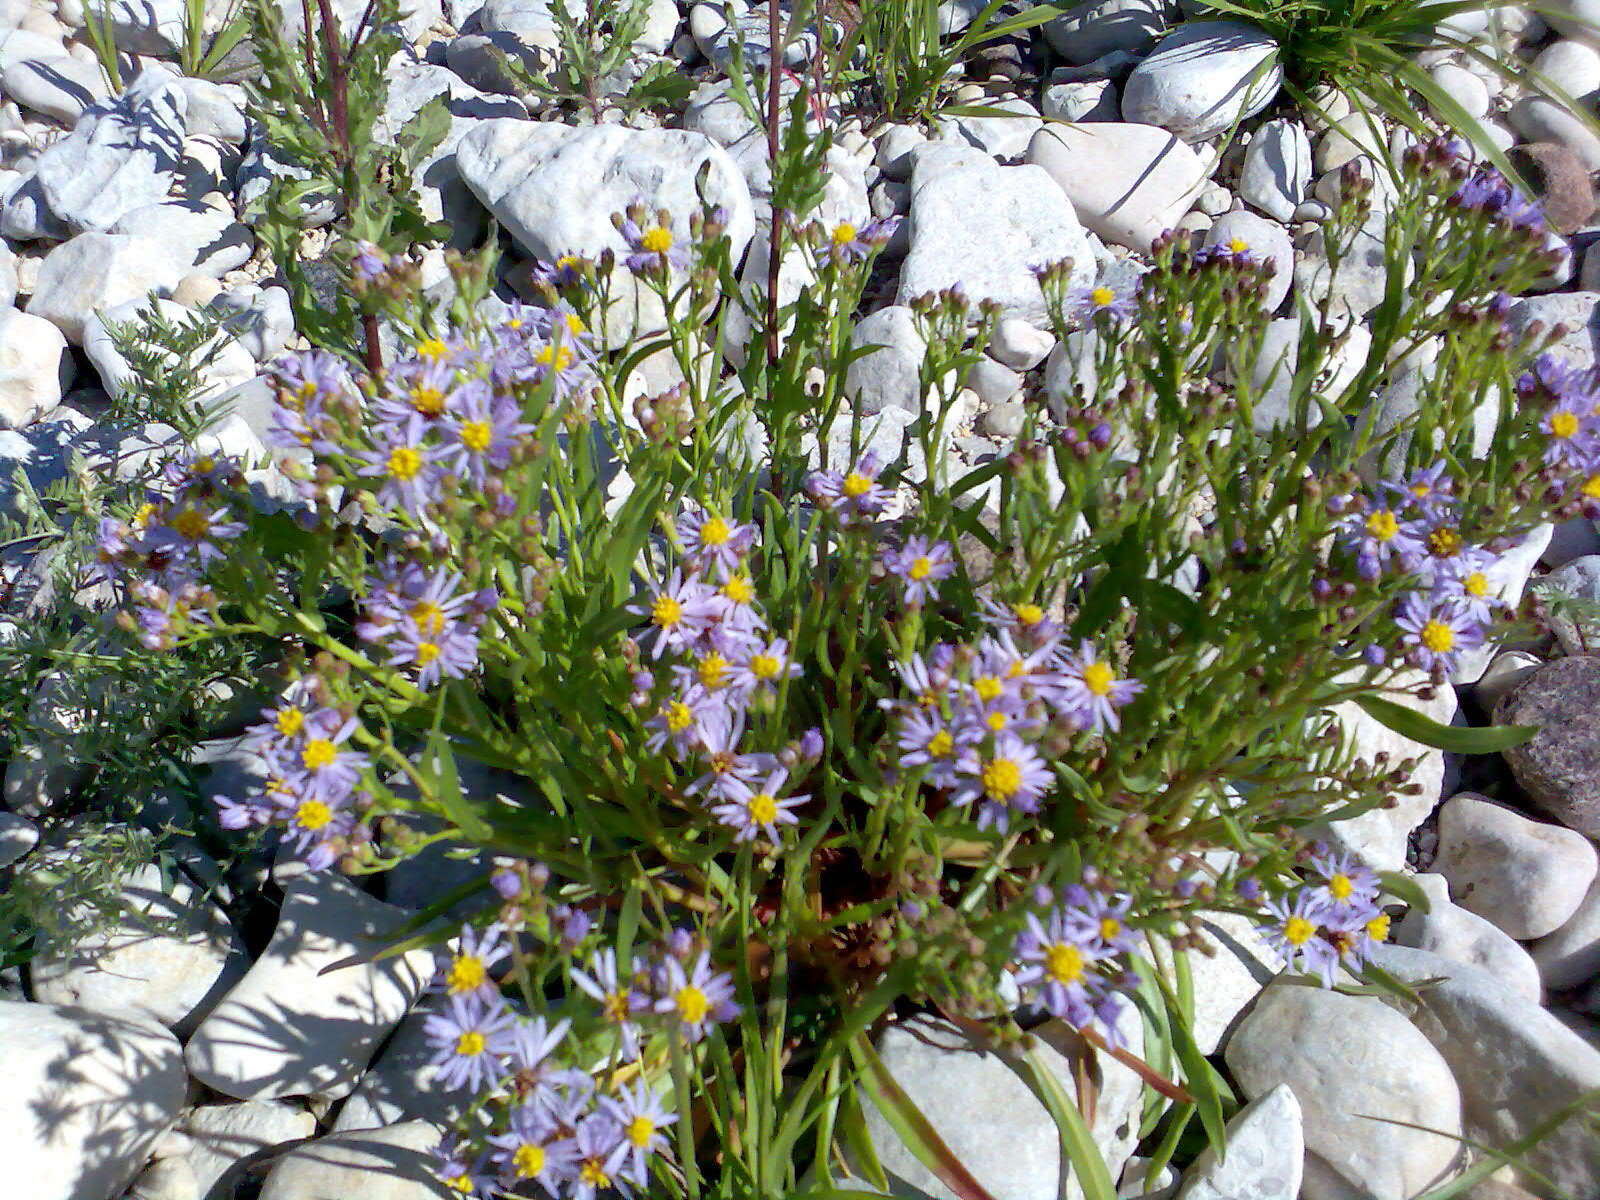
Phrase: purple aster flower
x=1091 y=691
x=676 y=723
x=1437 y=632
x=698 y=998
x=601 y=1154
x=1104 y=921
x=1010 y=776
x=1296 y=936
x=1346 y=882
x=465 y=971
x=368 y=262
x=762 y=666
x=1353 y=930
x=712 y=544
x=926 y=739
x=162 y=614
x=533 y=1150
x=1428 y=493
x=619 y=999
x=758 y=809
x=728 y=772
x=530 y=1045
x=920 y=566
x=655 y=249
x=678 y=613
x=409 y=470
x=1102 y=301
x=1021 y=619
x=847 y=243
x=315 y=828
x=1473 y=590
x=1378 y=536
x=470 y=1041
x=1446 y=554
x=929 y=681
x=316 y=764
x=310 y=379
x=736 y=622
x=640 y=1115
x=566 y=271
x=481 y=431
x=450 y=653
x=1059 y=965
x=1571 y=437
x=192 y=534
x=461 y=1172
x=853 y=495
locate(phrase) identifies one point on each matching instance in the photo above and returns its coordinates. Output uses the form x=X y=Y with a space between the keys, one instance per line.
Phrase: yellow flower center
x=1063 y=962
x=1340 y=887
x=1476 y=584
x=1438 y=637
x=429 y=401
x=1444 y=543
x=941 y=743
x=1238 y=245
x=142 y=517
x=678 y=716
x=996 y=721
x=1563 y=425
x=763 y=809
x=312 y=815
x=856 y=485
x=666 y=612
x=657 y=240
x=1378 y=928
x=1002 y=779
x=319 y=753
x=1101 y=297
x=460 y=1183
x=715 y=532
x=616 y=1006
x=528 y=1161
x=1591 y=487
x=1098 y=678
x=289 y=721
x=429 y=617
x=713 y=670
x=692 y=1004
x=1028 y=614
x=191 y=524
x=1383 y=525
x=844 y=233
x=738 y=590
x=470 y=1044
x=467 y=973
x=476 y=435
x=1110 y=927
x=575 y=325
x=1297 y=931
x=432 y=348
x=594 y=1173
x=427 y=652
x=640 y=1130
x=404 y=463
x=921 y=568
x=555 y=356
x=987 y=687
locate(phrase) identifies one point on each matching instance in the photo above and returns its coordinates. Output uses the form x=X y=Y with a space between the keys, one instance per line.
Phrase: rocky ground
x=205 y=1061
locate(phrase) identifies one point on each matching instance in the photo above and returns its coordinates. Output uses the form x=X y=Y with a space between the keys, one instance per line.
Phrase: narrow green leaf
x=1404 y=888
x=1077 y=1143
x=1461 y=739
x=919 y=1136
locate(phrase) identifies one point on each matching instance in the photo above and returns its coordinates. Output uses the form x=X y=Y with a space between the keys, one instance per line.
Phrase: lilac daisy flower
x=713 y=544
x=317 y=765
x=1354 y=931
x=1473 y=590
x=1346 y=882
x=853 y=495
x=847 y=243
x=1427 y=492
x=469 y=1041
x=1379 y=536
x=1010 y=777
x=424 y=389
x=1295 y=935
x=601 y=1152
x=314 y=829
x=1021 y=619
x=192 y=533
x=676 y=723
x=481 y=432
x=1104 y=921
x=531 y=1043
x=1058 y=963
x=925 y=739
x=758 y=809
x=728 y=772
x=697 y=998
x=1570 y=437
x=654 y=247
x=450 y=653
x=465 y=971
x=408 y=468
x=678 y=613
x=641 y=1116
x=1102 y=301
x=920 y=566
x=762 y=667
x=619 y=1000
x=460 y=1172
x=1436 y=632
x=532 y=1150
x=309 y=378
x=1091 y=690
